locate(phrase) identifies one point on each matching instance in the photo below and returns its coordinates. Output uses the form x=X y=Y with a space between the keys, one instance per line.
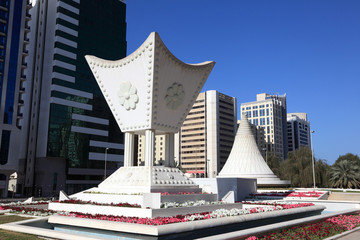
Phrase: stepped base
x=147 y=179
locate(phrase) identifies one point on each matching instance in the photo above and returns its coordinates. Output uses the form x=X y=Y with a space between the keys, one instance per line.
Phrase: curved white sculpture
x=150 y=88
x=245 y=159
x=149 y=92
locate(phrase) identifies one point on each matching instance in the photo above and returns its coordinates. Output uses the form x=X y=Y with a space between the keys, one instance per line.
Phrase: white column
x=149 y=147
x=177 y=149
x=129 y=149
x=169 y=155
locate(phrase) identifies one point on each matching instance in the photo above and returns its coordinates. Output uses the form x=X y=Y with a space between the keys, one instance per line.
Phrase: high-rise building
x=207 y=135
x=71 y=131
x=298 y=131
x=269 y=112
x=14 y=28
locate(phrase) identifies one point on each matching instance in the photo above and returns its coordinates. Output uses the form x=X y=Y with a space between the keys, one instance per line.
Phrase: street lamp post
x=312 y=156
x=106 y=149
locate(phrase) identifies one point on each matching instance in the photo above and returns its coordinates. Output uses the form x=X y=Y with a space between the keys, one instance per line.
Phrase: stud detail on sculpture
x=174 y=96
x=128 y=97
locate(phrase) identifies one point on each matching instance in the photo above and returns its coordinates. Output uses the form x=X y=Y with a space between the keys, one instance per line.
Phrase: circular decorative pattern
x=174 y=96
x=128 y=97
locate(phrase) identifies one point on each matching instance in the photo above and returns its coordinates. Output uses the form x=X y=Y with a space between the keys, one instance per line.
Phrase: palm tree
x=345 y=174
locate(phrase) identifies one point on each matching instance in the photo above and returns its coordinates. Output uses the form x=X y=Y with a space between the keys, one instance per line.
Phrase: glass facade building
x=70 y=123
x=298 y=131
x=14 y=18
x=269 y=112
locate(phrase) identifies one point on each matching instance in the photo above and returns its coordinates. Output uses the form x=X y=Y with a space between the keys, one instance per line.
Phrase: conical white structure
x=246 y=161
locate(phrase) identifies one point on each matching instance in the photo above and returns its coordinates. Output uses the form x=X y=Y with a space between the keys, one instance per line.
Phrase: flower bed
x=24 y=204
x=97 y=192
x=179 y=218
x=320 y=230
x=309 y=194
x=182 y=193
x=284 y=205
x=128 y=205
x=189 y=204
x=28 y=210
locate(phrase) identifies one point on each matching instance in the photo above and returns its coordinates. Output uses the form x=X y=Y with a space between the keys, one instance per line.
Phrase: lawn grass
x=12 y=218
x=8 y=235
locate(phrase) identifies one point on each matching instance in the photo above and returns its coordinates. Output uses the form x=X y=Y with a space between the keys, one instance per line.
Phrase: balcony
x=22 y=90
x=21 y=103
x=25 y=52
x=19 y=115
x=27 y=17
x=26 y=40
x=22 y=78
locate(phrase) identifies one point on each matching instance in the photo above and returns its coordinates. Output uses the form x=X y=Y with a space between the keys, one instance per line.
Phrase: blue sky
x=308 y=49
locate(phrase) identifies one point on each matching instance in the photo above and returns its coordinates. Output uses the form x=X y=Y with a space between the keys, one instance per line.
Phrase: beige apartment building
x=269 y=112
x=159 y=152
x=207 y=135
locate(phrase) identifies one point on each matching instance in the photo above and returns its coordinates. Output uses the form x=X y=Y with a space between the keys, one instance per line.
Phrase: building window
x=4 y=151
x=262 y=121
x=248 y=113
x=262 y=112
x=255 y=113
x=267 y=121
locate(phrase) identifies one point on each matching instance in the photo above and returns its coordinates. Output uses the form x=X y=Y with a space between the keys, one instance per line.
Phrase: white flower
x=174 y=96
x=189 y=203
x=127 y=95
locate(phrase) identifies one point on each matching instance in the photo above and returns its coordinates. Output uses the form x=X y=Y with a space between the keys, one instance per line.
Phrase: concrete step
x=343 y=196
